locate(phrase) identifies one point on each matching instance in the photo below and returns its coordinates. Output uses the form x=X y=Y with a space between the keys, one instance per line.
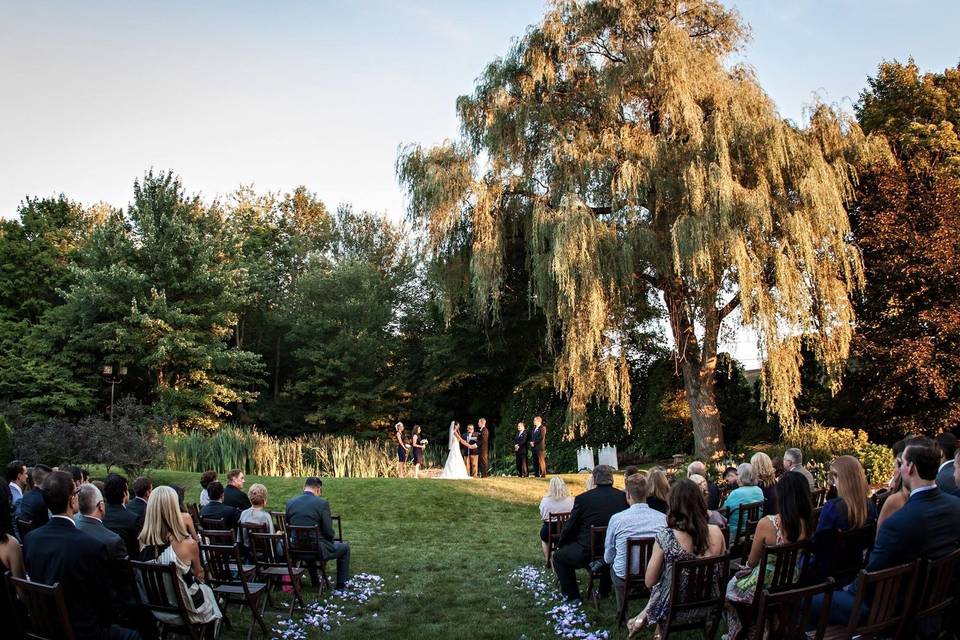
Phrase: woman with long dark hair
x=791 y=524
x=687 y=536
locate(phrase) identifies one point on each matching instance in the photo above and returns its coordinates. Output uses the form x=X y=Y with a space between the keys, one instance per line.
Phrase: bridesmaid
x=401 y=449
x=417 y=444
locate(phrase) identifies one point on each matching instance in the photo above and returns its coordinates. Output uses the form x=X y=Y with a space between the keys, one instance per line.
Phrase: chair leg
x=255 y=603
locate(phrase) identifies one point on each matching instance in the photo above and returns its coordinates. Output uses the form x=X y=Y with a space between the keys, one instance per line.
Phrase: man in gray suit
x=309 y=509
x=948 y=449
x=90 y=521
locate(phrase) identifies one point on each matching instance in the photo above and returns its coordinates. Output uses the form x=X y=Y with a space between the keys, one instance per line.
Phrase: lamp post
x=113 y=375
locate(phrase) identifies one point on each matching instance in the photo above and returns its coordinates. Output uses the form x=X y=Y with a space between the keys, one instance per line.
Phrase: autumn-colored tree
x=907 y=223
x=640 y=166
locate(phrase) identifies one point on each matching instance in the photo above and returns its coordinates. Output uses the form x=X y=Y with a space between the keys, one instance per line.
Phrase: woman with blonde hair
x=659 y=489
x=166 y=541
x=557 y=500
x=766 y=478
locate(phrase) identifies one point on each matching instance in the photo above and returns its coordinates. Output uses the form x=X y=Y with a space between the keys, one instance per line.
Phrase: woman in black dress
x=417 y=445
x=401 y=449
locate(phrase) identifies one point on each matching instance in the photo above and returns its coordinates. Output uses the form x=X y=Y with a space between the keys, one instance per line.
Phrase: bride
x=454 y=469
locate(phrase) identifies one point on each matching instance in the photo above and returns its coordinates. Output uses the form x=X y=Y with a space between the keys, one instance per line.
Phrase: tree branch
x=726 y=309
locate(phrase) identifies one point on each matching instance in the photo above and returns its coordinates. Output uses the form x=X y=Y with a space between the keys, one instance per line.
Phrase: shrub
x=877 y=461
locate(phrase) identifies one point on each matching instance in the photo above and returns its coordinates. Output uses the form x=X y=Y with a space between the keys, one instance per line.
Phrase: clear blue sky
x=321 y=93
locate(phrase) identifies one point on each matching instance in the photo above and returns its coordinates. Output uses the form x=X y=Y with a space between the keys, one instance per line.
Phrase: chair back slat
x=217 y=524
x=279 y=521
x=218 y=537
x=698 y=585
x=890 y=593
x=246 y=528
x=268 y=549
x=746 y=513
x=555 y=524
x=303 y=539
x=45 y=610
x=639 y=551
x=789 y=564
x=158 y=587
x=936 y=592
x=221 y=563
x=786 y=615
x=337 y=520
x=598 y=538
x=194 y=512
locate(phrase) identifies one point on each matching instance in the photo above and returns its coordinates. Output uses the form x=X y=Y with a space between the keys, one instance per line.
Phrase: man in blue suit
x=928 y=525
x=309 y=509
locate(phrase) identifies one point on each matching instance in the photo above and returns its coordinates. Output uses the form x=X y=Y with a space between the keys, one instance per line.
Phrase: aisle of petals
x=333 y=611
x=569 y=620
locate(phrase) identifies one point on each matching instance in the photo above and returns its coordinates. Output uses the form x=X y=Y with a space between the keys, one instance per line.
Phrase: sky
x=323 y=93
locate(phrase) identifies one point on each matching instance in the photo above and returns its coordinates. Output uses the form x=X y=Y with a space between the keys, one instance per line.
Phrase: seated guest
x=629 y=470
x=713 y=517
x=166 y=541
x=116 y=517
x=17 y=481
x=141 y=487
x=948 y=449
x=766 y=480
x=659 y=489
x=233 y=495
x=184 y=513
x=32 y=507
x=746 y=493
x=11 y=556
x=777 y=466
x=92 y=510
x=793 y=462
x=77 y=474
x=639 y=521
x=217 y=510
x=59 y=553
x=556 y=500
x=791 y=524
x=697 y=468
x=205 y=480
x=730 y=480
x=257 y=513
x=687 y=536
x=852 y=509
x=898 y=491
x=592 y=508
x=309 y=509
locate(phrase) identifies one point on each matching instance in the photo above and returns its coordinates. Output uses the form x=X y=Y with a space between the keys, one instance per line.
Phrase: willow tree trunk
x=698 y=382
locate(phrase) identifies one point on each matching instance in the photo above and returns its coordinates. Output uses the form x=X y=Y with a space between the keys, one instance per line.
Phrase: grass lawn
x=447 y=547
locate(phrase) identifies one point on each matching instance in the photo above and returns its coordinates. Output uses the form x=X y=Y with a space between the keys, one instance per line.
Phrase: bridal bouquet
x=423 y=442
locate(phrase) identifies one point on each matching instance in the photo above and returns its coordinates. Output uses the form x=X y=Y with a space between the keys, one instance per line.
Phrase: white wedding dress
x=454 y=468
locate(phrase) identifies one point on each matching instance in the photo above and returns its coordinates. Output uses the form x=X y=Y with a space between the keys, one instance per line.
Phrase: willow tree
x=639 y=163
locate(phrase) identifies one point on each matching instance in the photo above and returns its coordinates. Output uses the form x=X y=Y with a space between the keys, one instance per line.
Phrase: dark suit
x=124 y=523
x=59 y=552
x=945 y=479
x=538 y=444
x=713 y=496
x=928 y=526
x=33 y=508
x=590 y=509
x=521 y=441
x=221 y=511
x=138 y=506
x=233 y=497
x=310 y=510
x=483 y=452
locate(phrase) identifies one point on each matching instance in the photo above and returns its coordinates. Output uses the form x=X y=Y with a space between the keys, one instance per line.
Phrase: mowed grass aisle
x=448 y=547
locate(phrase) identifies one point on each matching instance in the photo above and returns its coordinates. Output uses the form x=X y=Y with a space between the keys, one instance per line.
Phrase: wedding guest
x=697 y=468
x=11 y=555
x=629 y=470
x=851 y=509
x=791 y=524
x=730 y=482
x=166 y=541
x=417 y=447
x=686 y=536
x=309 y=509
x=184 y=512
x=401 y=448
x=638 y=521
x=746 y=493
x=80 y=476
x=948 y=449
x=556 y=500
x=33 y=509
x=538 y=445
x=257 y=513
x=141 y=489
x=205 y=480
x=713 y=516
x=777 y=466
x=659 y=489
x=473 y=452
x=793 y=462
x=591 y=508
x=233 y=495
x=766 y=480
x=59 y=553
x=483 y=448
x=117 y=518
x=217 y=510
x=898 y=491
x=520 y=443
x=17 y=483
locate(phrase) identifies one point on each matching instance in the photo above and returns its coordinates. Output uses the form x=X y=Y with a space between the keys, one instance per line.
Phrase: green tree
x=636 y=163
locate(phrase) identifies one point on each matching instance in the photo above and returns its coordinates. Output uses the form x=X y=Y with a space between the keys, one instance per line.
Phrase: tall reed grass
x=261 y=454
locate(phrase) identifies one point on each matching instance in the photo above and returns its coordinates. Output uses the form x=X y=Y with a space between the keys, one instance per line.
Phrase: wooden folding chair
x=936 y=592
x=891 y=593
x=279 y=521
x=23 y=528
x=244 y=529
x=698 y=585
x=338 y=521
x=598 y=537
x=639 y=551
x=43 y=614
x=786 y=615
x=194 y=512
x=554 y=527
x=233 y=585
x=845 y=553
x=274 y=565
x=818 y=497
x=790 y=566
x=160 y=590
x=745 y=514
x=303 y=543
x=216 y=524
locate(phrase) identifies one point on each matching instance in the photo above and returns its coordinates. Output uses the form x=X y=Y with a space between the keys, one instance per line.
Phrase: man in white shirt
x=639 y=521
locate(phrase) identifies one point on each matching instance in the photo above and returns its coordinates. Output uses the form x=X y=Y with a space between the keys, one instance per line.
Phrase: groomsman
x=483 y=448
x=520 y=443
x=538 y=444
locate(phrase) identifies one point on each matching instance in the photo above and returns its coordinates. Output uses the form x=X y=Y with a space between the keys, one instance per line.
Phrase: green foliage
x=661 y=427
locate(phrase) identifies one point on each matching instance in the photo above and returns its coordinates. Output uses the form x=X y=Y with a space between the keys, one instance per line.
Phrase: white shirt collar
x=926 y=487
x=943 y=465
x=67 y=518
